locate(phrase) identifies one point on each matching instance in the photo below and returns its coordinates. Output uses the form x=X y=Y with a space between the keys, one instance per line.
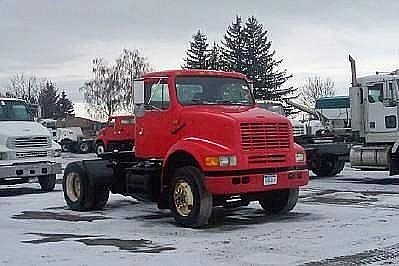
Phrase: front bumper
x=14 y=169
x=248 y=183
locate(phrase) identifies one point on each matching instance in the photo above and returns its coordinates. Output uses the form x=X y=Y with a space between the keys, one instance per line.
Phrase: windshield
x=213 y=90
x=14 y=111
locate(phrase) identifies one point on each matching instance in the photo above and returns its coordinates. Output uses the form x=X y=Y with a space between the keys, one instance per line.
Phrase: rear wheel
x=190 y=203
x=279 y=201
x=84 y=147
x=47 y=182
x=328 y=167
x=79 y=194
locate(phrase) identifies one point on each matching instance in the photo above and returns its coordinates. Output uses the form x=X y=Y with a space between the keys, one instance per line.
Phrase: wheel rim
x=183 y=198
x=100 y=149
x=73 y=186
x=84 y=147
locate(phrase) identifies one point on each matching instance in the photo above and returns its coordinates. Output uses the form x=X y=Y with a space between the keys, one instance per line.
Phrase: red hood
x=238 y=113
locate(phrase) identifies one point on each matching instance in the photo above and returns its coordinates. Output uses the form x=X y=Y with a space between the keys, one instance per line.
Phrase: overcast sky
x=58 y=39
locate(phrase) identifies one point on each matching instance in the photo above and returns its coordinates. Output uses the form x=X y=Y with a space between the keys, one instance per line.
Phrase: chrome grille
x=28 y=142
x=298 y=130
x=264 y=136
x=29 y=154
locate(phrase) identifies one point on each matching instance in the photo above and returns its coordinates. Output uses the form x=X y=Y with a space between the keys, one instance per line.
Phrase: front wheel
x=279 y=201
x=47 y=182
x=79 y=194
x=190 y=203
x=100 y=148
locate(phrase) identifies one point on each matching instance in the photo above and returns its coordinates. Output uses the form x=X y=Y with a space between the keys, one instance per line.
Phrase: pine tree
x=197 y=54
x=48 y=98
x=65 y=106
x=232 y=47
x=261 y=65
x=214 y=58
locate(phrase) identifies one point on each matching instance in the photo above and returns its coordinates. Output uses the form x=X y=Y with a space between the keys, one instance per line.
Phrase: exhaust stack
x=353 y=70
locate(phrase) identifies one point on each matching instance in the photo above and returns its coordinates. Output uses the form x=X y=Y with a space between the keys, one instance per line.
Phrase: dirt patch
x=136 y=246
x=62 y=216
x=51 y=238
x=363 y=258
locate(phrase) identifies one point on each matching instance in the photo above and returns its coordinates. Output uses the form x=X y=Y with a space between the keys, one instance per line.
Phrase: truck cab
x=118 y=134
x=200 y=141
x=26 y=147
x=374 y=119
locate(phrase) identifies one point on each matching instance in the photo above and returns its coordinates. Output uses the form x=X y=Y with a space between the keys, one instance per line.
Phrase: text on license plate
x=269 y=180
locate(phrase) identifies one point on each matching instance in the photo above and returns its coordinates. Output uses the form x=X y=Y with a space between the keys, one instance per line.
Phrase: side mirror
x=138 y=98
x=138 y=91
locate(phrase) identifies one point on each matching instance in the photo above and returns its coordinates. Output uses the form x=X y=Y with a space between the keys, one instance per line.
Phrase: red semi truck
x=118 y=134
x=200 y=142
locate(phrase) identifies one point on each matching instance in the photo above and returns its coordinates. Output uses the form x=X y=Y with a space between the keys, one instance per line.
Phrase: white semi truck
x=27 y=150
x=374 y=118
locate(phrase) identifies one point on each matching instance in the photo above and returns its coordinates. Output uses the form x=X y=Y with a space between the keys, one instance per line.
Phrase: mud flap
x=394 y=164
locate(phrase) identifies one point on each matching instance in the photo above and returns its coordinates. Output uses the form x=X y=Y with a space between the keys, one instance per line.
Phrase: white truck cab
x=26 y=147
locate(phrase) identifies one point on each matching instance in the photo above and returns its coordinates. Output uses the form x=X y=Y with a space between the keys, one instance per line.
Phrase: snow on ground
x=347 y=220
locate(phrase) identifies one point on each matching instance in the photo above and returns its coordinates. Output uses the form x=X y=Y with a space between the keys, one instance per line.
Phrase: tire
x=279 y=201
x=84 y=147
x=188 y=189
x=79 y=194
x=66 y=146
x=100 y=148
x=328 y=167
x=47 y=182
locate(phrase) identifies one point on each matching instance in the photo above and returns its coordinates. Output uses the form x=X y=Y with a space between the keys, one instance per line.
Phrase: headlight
x=222 y=161
x=300 y=157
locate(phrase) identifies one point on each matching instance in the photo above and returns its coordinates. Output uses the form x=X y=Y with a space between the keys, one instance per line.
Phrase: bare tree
x=25 y=87
x=111 y=88
x=129 y=66
x=314 y=88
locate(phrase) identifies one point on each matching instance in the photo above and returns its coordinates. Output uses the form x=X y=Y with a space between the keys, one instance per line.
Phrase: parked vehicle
x=26 y=147
x=118 y=134
x=200 y=142
x=72 y=139
x=326 y=152
x=374 y=107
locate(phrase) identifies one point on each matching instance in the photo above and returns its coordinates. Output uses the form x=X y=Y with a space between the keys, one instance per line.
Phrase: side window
x=375 y=93
x=127 y=121
x=390 y=121
x=111 y=122
x=390 y=100
x=157 y=95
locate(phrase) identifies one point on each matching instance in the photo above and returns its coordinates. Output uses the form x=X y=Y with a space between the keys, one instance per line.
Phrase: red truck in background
x=200 y=142
x=118 y=134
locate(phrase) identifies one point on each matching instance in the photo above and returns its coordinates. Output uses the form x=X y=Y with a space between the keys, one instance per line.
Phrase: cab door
x=154 y=130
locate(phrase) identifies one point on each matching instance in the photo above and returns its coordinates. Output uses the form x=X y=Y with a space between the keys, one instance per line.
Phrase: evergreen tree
x=233 y=47
x=65 y=106
x=214 y=58
x=48 y=98
x=197 y=54
x=261 y=66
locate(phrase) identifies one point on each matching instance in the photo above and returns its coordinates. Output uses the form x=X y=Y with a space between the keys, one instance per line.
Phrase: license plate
x=269 y=180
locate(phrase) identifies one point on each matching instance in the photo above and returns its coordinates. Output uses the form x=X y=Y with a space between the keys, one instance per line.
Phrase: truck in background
x=26 y=147
x=374 y=107
x=200 y=142
x=118 y=134
x=326 y=152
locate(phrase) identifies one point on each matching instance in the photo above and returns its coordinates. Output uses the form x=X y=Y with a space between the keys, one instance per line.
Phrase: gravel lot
x=348 y=220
